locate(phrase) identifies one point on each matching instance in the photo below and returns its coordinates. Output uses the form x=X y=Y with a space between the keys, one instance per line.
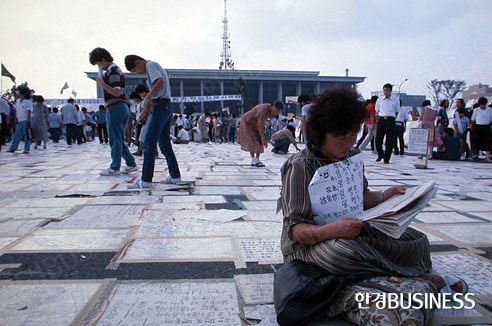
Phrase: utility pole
x=225 y=57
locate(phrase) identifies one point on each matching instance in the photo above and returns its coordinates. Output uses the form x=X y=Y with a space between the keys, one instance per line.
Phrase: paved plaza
x=77 y=248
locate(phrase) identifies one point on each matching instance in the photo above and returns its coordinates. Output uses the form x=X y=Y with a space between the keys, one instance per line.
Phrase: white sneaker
x=172 y=180
x=109 y=171
x=140 y=185
x=129 y=169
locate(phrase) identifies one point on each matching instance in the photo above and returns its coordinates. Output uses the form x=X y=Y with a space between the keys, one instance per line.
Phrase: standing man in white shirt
x=481 y=134
x=387 y=108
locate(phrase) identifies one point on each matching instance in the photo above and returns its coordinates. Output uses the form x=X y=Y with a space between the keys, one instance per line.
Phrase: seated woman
x=347 y=245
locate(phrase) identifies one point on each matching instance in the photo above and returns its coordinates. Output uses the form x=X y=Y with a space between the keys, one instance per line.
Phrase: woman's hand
x=348 y=227
x=390 y=192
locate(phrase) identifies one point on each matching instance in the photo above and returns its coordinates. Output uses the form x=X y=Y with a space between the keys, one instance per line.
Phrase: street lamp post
x=399 y=86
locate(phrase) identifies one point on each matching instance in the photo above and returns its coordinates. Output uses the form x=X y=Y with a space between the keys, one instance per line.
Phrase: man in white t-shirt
x=387 y=108
x=183 y=136
x=400 y=124
x=481 y=134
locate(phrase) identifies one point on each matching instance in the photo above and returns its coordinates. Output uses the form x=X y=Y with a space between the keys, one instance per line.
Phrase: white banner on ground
x=418 y=140
x=208 y=98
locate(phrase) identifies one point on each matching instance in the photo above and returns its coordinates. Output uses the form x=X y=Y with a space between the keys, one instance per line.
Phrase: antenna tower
x=225 y=57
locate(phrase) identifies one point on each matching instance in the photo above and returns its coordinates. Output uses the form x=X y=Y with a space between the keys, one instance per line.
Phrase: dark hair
x=461 y=100
x=476 y=105
x=84 y=109
x=101 y=107
x=130 y=61
x=98 y=55
x=141 y=88
x=388 y=85
x=70 y=100
x=336 y=111
x=461 y=110
x=292 y=129
x=426 y=103
x=38 y=98
x=278 y=105
x=482 y=101
x=55 y=109
x=449 y=131
x=135 y=95
x=180 y=127
x=303 y=98
x=25 y=91
x=374 y=99
x=442 y=103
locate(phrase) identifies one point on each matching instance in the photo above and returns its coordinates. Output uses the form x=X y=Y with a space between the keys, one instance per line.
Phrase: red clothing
x=371 y=108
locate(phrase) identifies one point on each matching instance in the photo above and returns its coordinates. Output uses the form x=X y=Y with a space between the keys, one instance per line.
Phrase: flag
x=6 y=73
x=74 y=93
x=64 y=88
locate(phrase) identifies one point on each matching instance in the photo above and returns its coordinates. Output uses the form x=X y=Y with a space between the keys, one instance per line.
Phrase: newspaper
x=394 y=215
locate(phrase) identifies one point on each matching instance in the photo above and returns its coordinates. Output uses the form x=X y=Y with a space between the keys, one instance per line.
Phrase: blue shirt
x=100 y=117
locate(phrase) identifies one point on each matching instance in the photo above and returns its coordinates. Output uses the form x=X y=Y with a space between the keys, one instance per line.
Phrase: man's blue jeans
x=21 y=134
x=116 y=117
x=158 y=129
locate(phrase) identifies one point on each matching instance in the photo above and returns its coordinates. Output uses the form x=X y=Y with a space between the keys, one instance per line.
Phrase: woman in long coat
x=40 y=116
x=252 y=131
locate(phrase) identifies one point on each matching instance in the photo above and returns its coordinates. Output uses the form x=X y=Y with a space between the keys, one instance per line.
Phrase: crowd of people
x=464 y=134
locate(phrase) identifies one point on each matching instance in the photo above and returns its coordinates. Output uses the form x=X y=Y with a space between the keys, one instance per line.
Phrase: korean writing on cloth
x=336 y=190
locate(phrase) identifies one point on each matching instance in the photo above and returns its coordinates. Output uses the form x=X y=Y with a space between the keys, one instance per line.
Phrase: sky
x=47 y=43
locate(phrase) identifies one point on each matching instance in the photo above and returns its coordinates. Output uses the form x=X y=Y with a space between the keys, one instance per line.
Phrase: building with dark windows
x=255 y=86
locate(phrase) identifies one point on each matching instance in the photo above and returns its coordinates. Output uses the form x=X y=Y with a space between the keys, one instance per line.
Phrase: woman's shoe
x=454 y=285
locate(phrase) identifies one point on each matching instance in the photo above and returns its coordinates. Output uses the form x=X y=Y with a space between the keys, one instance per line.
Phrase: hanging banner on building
x=209 y=98
x=79 y=101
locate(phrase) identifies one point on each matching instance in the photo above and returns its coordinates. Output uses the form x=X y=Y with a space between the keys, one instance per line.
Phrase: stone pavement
x=77 y=248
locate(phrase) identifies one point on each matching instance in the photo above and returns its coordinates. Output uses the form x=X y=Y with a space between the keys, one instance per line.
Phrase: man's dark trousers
x=386 y=127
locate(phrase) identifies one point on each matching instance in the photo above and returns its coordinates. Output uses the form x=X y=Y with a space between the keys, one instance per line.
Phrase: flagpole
x=1 y=81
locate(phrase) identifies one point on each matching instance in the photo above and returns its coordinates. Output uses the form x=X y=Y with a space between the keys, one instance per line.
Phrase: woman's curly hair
x=337 y=111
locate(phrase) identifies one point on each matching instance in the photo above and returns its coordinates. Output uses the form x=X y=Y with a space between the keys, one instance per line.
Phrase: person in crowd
x=305 y=103
x=461 y=123
x=387 y=108
x=137 y=99
x=91 y=118
x=23 y=109
x=442 y=120
x=252 y=129
x=232 y=128
x=40 y=114
x=450 y=148
x=157 y=103
x=69 y=118
x=55 y=125
x=113 y=83
x=183 y=136
x=202 y=127
x=344 y=245
x=81 y=125
x=282 y=139
x=427 y=118
x=225 y=128
x=371 y=123
x=4 y=121
x=102 y=130
x=400 y=126
x=481 y=135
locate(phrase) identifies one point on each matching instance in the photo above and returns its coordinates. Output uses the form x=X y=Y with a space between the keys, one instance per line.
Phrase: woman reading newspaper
x=321 y=227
